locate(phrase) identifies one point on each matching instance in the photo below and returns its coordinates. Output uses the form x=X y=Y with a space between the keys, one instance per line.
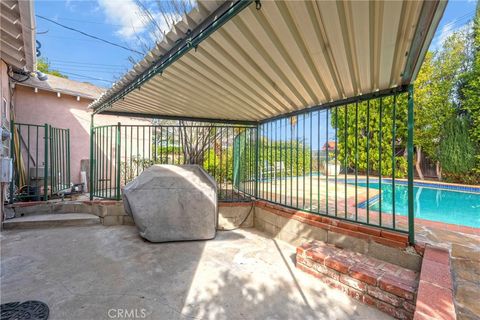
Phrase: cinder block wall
x=368 y=241
x=230 y=215
x=294 y=227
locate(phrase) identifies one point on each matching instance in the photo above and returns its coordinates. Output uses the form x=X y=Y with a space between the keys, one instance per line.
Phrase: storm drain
x=31 y=310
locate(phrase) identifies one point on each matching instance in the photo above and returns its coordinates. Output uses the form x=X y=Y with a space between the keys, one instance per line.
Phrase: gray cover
x=173 y=203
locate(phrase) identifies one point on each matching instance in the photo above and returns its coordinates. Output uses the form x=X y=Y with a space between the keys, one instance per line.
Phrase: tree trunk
x=417 y=163
x=438 y=168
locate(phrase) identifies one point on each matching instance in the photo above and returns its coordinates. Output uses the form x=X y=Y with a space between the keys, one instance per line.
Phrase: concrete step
x=51 y=220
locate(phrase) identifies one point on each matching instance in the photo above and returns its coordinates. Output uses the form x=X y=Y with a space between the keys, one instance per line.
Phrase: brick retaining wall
x=388 y=287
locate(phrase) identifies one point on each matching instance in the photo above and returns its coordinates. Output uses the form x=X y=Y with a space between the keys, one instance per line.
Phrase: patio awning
x=250 y=61
x=17 y=34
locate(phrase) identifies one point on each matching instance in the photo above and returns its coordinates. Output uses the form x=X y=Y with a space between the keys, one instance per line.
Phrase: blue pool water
x=461 y=208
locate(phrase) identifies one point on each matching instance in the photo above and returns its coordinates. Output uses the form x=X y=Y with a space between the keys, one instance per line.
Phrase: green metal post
x=117 y=156
x=257 y=148
x=90 y=182
x=12 y=156
x=67 y=160
x=394 y=161
x=46 y=164
x=411 y=216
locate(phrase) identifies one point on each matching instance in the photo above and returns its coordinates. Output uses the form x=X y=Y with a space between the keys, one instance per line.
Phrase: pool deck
x=84 y=272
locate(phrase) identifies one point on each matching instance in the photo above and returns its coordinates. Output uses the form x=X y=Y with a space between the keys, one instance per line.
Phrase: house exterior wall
x=67 y=113
x=5 y=105
x=5 y=99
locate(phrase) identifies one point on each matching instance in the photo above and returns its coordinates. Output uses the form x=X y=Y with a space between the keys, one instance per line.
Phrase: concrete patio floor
x=86 y=272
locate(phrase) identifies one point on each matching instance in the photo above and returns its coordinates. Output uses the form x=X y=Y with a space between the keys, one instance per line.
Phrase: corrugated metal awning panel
x=284 y=57
x=17 y=35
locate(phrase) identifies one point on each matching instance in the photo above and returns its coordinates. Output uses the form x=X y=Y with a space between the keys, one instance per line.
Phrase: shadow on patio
x=84 y=273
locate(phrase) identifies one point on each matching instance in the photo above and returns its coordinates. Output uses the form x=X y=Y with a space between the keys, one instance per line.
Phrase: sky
x=86 y=59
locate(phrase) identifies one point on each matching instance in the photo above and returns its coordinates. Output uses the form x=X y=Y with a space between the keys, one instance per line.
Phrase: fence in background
x=41 y=158
x=351 y=161
x=120 y=153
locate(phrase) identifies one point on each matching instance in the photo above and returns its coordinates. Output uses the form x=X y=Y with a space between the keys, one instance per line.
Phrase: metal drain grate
x=31 y=310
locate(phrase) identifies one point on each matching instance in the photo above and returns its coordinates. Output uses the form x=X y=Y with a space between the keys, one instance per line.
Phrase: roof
x=17 y=34
x=330 y=144
x=65 y=86
x=234 y=61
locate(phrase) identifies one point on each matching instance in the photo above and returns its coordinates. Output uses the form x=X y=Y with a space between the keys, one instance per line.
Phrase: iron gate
x=41 y=161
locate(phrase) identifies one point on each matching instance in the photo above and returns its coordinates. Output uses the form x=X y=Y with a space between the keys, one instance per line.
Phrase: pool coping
x=435 y=290
x=433 y=185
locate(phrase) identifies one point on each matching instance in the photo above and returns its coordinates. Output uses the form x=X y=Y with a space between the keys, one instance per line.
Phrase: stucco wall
x=4 y=105
x=5 y=116
x=64 y=112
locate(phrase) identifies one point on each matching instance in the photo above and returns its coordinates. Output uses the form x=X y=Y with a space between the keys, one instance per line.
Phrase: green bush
x=456 y=150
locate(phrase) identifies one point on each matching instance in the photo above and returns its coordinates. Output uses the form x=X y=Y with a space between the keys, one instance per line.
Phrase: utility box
x=6 y=169
x=173 y=203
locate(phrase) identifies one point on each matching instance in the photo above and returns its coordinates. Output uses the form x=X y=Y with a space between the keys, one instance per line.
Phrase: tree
x=470 y=91
x=43 y=65
x=434 y=96
x=365 y=136
x=456 y=150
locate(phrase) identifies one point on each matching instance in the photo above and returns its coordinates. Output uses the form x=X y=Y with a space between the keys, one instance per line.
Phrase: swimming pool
x=431 y=203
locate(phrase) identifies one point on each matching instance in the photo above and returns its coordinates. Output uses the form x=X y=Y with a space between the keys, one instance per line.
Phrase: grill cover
x=173 y=203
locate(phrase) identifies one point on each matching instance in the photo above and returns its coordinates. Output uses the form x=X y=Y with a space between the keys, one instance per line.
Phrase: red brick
x=305 y=262
x=369 y=230
x=409 y=277
x=403 y=314
x=314 y=218
x=420 y=248
x=387 y=308
x=364 y=275
x=378 y=293
x=234 y=204
x=339 y=264
x=346 y=225
x=355 y=294
x=395 y=286
x=351 y=233
x=319 y=255
x=389 y=242
x=434 y=301
x=436 y=254
x=369 y=300
x=354 y=283
x=409 y=306
x=317 y=224
x=334 y=222
x=326 y=271
x=396 y=236
x=436 y=273
x=327 y=220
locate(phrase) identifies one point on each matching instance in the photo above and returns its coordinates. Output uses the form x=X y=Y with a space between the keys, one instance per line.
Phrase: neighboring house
x=56 y=101
x=330 y=145
x=62 y=103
